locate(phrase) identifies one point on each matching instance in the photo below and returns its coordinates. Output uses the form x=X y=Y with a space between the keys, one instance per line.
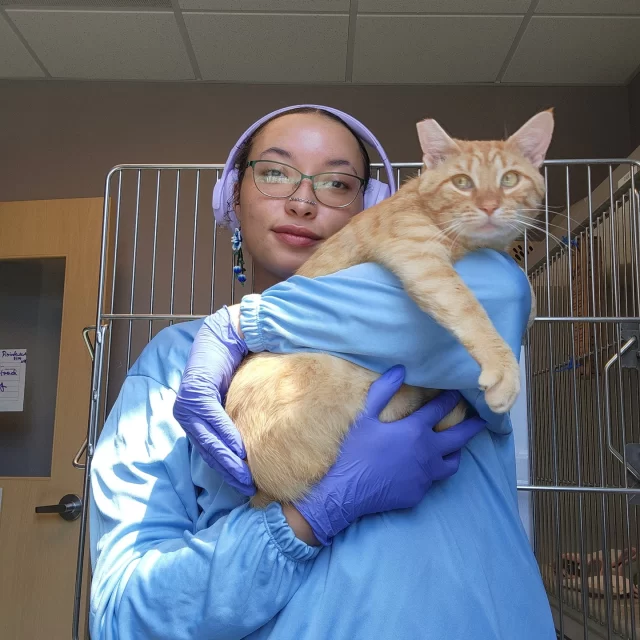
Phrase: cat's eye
x=510 y=179
x=462 y=182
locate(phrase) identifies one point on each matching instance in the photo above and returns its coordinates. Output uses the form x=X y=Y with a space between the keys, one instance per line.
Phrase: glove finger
x=234 y=471
x=228 y=432
x=450 y=465
x=202 y=435
x=456 y=437
x=237 y=468
x=213 y=422
x=437 y=409
x=382 y=390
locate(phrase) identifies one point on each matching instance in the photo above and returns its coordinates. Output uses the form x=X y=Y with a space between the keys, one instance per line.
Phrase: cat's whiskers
x=455 y=240
x=540 y=224
x=513 y=226
x=544 y=223
x=550 y=208
x=517 y=214
x=530 y=225
x=543 y=210
x=449 y=228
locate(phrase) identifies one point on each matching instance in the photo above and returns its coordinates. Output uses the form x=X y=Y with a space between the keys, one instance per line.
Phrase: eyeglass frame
x=252 y=164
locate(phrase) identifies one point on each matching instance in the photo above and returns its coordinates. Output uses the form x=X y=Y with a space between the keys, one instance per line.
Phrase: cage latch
x=631 y=358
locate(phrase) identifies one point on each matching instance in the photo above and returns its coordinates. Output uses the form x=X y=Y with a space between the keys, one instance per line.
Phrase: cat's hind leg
x=293 y=412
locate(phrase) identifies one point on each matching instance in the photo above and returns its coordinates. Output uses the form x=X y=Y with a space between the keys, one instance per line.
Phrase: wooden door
x=60 y=239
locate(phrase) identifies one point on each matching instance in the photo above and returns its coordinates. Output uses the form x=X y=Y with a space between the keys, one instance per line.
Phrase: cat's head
x=484 y=192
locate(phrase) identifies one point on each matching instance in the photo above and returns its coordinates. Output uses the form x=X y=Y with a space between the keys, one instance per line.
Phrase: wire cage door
x=165 y=260
x=582 y=364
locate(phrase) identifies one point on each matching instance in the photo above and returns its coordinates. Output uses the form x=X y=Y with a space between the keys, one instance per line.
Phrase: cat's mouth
x=489 y=225
x=489 y=228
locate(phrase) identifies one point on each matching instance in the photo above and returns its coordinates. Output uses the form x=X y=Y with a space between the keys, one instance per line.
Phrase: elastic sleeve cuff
x=283 y=537
x=250 y=322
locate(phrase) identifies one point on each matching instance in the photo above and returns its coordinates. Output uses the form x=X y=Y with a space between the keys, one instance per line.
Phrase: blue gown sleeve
x=363 y=314
x=162 y=567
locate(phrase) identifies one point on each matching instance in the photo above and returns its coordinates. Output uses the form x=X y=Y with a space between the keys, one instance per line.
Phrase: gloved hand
x=386 y=465
x=216 y=353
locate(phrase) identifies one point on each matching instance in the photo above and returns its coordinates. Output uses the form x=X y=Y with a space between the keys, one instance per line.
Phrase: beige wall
x=58 y=139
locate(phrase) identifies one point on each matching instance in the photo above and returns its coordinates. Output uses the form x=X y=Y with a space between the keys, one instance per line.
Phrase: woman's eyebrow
x=339 y=162
x=335 y=162
x=278 y=151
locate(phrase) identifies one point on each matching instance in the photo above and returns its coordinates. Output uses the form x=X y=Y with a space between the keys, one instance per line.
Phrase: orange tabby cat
x=294 y=410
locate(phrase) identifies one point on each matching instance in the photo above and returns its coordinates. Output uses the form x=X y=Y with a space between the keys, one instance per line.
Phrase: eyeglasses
x=278 y=180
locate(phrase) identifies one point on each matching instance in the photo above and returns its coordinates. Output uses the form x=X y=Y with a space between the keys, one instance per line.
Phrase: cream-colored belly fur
x=294 y=410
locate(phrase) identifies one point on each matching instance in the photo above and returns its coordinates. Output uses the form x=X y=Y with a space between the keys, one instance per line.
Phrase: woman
x=411 y=534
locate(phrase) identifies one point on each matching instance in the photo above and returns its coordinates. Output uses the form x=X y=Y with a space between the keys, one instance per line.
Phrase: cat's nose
x=488 y=207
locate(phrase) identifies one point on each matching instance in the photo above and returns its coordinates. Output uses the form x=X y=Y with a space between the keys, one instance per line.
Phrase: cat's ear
x=532 y=139
x=436 y=144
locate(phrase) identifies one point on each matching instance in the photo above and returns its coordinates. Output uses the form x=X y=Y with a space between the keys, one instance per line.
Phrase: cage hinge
x=630 y=359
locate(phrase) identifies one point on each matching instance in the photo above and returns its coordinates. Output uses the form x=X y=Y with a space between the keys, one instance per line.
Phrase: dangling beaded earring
x=238 y=258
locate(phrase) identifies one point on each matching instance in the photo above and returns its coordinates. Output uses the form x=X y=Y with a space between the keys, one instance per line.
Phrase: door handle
x=69 y=507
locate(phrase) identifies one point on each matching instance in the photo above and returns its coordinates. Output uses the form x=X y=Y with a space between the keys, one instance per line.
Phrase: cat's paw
x=501 y=384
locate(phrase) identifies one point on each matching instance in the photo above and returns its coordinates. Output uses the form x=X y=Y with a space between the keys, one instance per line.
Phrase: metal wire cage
x=581 y=356
x=582 y=362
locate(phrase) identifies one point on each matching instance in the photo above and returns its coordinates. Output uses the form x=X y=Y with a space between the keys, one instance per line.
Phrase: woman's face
x=273 y=229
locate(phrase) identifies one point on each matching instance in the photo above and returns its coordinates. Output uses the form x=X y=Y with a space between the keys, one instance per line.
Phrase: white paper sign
x=13 y=369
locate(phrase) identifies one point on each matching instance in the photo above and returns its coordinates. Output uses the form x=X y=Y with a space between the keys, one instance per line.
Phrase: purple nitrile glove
x=216 y=353
x=386 y=465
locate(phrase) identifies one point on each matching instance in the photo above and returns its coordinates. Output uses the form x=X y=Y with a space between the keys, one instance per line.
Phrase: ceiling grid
x=517 y=42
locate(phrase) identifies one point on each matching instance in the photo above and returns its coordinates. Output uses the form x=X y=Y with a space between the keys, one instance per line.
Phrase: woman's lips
x=296 y=236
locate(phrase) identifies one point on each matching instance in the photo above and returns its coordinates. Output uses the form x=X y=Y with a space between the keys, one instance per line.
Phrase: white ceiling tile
x=443 y=6
x=15 y=60
x=431 y=50
x=269 y=48
x=577 y=50
x=106 y=45
x=586 y=7
x=293 y=6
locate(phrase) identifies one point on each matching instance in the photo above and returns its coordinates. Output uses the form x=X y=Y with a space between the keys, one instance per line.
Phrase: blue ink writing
x=16 y=355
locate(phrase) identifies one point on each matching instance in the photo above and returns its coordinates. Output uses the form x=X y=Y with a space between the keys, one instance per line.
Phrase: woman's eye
x=338 y=185
x=510 y=179
x=462 y=182
x=273 y=175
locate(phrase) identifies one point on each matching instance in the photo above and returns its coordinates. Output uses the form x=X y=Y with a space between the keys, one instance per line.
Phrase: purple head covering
x=223 y=191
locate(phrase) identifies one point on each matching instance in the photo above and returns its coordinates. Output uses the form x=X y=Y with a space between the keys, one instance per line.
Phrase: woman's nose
x=303 y=202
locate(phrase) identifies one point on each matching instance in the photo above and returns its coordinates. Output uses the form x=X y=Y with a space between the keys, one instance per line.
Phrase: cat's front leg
x=438 y=290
